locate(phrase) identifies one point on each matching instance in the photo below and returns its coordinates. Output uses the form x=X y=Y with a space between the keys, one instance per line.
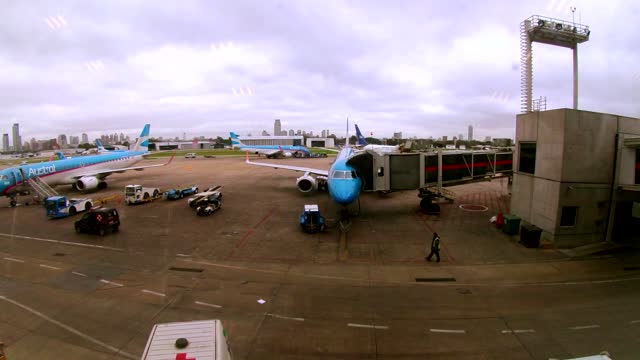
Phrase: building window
x=569 y=216
x=527 y=163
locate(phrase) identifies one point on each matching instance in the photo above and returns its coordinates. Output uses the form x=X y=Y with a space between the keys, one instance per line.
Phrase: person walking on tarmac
x=435 y=248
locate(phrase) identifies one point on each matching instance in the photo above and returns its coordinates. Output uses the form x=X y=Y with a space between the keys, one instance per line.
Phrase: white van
x=190 y=156
x=201 y=340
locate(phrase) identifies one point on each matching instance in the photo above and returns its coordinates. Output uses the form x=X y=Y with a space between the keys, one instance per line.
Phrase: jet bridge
x=429 y=172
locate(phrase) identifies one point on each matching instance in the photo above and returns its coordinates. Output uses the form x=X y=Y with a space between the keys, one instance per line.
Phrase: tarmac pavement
x=64 y=295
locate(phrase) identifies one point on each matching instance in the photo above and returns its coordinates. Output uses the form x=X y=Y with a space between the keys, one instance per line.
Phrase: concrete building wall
x=521 y=193
x=550 y=134
x=593 y=204
x=589 y=146
x=544 y=204
x=627 y=163
x=574 y=167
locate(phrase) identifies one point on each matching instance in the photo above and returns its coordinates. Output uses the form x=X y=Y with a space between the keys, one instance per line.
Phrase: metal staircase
x=41 y=188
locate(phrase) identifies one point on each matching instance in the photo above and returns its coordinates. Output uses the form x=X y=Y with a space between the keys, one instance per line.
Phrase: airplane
x=84 y=173
x=380 y=149
x=101 y=149
x=342 y=180
x=271 y=151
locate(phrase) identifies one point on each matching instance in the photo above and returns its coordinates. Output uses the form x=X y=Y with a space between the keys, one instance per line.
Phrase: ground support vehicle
x=202 y=339
x=310 y=220
x=60 y=206
x=98 y=220
x=179 y=193
x=137 y=194
x=211 y=196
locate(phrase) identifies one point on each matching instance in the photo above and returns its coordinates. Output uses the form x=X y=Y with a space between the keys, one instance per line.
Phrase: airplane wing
x=332 y=150
x=104 y=173
x=289 y=167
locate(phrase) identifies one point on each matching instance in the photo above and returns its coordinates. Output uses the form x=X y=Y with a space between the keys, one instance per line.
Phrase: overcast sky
x=426 y=68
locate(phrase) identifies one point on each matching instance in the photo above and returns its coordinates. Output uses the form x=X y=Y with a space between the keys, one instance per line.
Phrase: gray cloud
x=425 y=68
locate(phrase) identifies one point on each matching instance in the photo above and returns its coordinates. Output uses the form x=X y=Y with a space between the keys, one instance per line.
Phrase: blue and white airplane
x=342 y=180
x=381 y=149
x=271 y=151
x=83 y=173
x=101 y=149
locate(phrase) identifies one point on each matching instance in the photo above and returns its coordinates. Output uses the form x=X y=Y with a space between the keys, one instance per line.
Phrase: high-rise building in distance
x=5 y=142
x=17 y=142
x=470 y=135
x=277 y=128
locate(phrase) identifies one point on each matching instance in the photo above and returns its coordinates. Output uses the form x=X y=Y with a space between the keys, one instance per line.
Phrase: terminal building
x=272 y=140
x=577 y=176
x=323 y=142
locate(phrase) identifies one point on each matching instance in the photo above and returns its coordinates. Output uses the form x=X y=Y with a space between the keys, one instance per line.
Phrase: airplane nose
x=343 y=193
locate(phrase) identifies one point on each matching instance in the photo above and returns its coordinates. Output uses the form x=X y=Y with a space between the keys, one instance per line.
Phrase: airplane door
x=17 y=174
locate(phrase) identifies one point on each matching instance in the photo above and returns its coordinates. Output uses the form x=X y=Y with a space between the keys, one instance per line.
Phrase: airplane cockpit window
x=4 y=178
x=342 y=174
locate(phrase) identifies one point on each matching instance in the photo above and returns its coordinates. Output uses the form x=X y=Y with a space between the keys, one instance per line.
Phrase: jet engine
x=88 y=183
x=306 y=183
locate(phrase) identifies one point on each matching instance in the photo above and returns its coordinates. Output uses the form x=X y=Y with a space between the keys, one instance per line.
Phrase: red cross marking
x=183 y=356
x=99 y=217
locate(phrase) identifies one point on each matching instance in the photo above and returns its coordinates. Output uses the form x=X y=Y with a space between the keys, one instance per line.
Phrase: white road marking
x=14 y=260
x=64 y=242
x=519 y=331
x=380 y=327
x=207 y=304
x=584 y=327
x=71 y=330
x=634 y=322
x=79 y=274
x=284 y=317
x=183 y=255
x=50 y=267
x=448 y=331
x=152 y=292
x=110 y=282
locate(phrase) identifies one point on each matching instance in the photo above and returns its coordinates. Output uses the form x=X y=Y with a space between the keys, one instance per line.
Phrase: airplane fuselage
x=343 y=182
x=270 y=148
x=66 y=171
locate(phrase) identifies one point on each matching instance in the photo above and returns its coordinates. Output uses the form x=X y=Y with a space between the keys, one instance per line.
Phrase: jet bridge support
x=430 y=172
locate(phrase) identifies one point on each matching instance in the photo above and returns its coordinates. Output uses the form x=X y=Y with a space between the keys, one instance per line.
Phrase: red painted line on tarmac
x=240 y=243
x=265 y=217
x=243 y=241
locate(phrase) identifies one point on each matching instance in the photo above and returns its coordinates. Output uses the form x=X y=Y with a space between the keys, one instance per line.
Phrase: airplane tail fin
x=99 y=145
x=142 y=144
x=60 y=155
x=235 y=141
x=360 y=139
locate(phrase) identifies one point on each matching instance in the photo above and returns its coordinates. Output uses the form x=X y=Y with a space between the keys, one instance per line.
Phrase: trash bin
x=530 y=236
x=511 y=224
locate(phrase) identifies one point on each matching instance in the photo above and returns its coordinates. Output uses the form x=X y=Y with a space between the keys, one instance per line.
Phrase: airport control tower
x=553 y=32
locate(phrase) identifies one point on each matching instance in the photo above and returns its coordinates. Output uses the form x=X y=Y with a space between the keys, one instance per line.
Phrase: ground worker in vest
x=435 y=248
